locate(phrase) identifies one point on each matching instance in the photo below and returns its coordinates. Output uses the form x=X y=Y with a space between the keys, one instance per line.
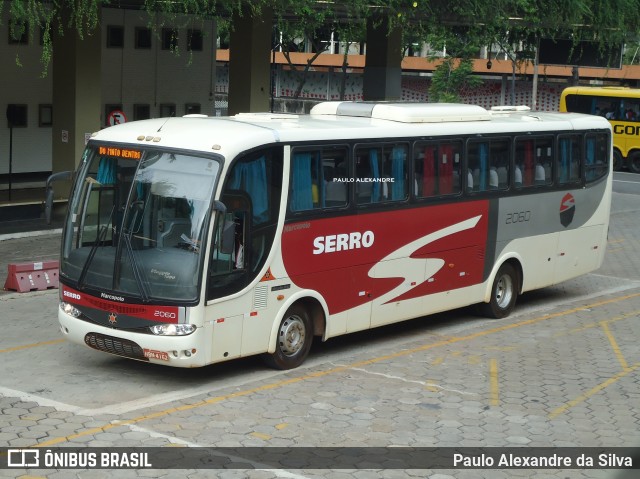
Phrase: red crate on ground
x=38 y=276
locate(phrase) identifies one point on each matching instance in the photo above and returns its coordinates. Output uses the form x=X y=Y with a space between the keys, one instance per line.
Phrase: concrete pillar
x=250 y=63
x=383 y=63
x=76 y=96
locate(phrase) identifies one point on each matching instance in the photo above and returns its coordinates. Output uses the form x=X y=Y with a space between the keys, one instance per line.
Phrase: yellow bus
x=621 y=106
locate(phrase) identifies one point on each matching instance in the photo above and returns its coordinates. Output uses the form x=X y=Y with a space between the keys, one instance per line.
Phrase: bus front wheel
x=504 y=292
x=295 y=335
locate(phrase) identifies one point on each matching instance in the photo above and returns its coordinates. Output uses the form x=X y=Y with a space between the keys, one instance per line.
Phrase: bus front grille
x=109 y=344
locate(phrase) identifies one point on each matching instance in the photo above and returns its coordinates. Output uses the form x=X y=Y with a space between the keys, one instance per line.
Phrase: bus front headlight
x=70 y=309
x=172 y=329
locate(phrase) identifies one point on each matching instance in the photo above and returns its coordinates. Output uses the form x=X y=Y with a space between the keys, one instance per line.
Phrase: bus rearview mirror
x=228 y=237
x=48 y=201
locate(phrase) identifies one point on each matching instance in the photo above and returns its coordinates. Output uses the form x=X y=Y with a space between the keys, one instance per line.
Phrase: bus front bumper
x=177 y=351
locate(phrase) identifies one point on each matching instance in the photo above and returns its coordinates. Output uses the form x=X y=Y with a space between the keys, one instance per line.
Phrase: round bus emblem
x=567 y=209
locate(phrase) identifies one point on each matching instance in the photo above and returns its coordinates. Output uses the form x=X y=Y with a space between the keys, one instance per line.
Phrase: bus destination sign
x=119 y=152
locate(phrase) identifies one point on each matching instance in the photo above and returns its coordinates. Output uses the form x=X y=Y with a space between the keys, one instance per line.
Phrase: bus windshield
x=137 y=221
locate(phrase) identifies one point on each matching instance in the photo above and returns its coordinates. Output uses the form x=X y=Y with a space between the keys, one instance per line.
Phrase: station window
x=18 y=33
x=436 y=167
x=141 y=111
x=115 y=36
x=488 y=165
x=143 y=38
x=192 y=108
x=194 y=40
x=319 y=179
x=167 y=110
x=533 y=162
x=45 y=115
x=16 y=116
x=169 y=39
x=381 y=173
x=569 y=159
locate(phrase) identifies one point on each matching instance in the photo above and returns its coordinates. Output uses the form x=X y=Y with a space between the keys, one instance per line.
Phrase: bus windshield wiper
x=102 y=233
x=137 y=272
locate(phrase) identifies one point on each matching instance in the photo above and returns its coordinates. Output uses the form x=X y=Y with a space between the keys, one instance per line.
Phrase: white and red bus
x=195 y=240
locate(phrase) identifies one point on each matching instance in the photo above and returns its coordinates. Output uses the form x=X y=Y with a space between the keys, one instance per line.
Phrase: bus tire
x=295 y=335
x=504 y=293
x=617 y=160
x=634 y=162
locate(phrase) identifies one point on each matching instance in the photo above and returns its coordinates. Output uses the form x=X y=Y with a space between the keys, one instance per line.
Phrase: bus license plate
x=152 y=354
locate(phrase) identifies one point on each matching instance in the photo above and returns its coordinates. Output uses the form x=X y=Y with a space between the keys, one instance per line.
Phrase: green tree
x=605 y=22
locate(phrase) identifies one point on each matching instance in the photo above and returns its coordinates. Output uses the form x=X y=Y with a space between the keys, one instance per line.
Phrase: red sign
x=116 y=117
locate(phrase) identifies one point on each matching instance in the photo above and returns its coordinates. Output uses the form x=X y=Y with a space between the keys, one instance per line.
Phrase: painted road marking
x=614 y=345
x=574 y=402
x=32 y=345
x=494 y=385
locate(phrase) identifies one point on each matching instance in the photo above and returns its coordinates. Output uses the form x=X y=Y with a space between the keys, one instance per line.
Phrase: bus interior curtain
x=483 y=154
x=528 y=176
x=428 y=172
x=445 y=169
x=106 y=171
x=590 y=157
x=398 y=155
x=252 y=177
x=301 y=183
x=565 y=159
x=375 y=174
x=320 y=180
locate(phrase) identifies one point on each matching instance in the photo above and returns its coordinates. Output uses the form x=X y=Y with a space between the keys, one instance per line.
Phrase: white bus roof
x=339 y=121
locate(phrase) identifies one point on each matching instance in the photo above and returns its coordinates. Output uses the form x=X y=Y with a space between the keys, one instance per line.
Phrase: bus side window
x=478 y=166
x=381 y=173
x=395 y=169
x=488 y=162
x=318 y=179
x=436 y=169
x=596 y=165
x=368 y=166
x=533 y=162
x=251 y=196
x=499 y=161
x=569 y=159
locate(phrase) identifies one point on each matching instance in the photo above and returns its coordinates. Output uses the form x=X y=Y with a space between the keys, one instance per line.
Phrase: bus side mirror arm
x=48 y=202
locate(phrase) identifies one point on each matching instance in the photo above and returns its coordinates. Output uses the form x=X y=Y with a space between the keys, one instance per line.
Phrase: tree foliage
x=483 y=21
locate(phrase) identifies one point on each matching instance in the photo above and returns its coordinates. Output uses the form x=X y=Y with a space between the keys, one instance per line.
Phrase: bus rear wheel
x=634 y=162
x=295 y=335
x=617 y=160
x=504 y=293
